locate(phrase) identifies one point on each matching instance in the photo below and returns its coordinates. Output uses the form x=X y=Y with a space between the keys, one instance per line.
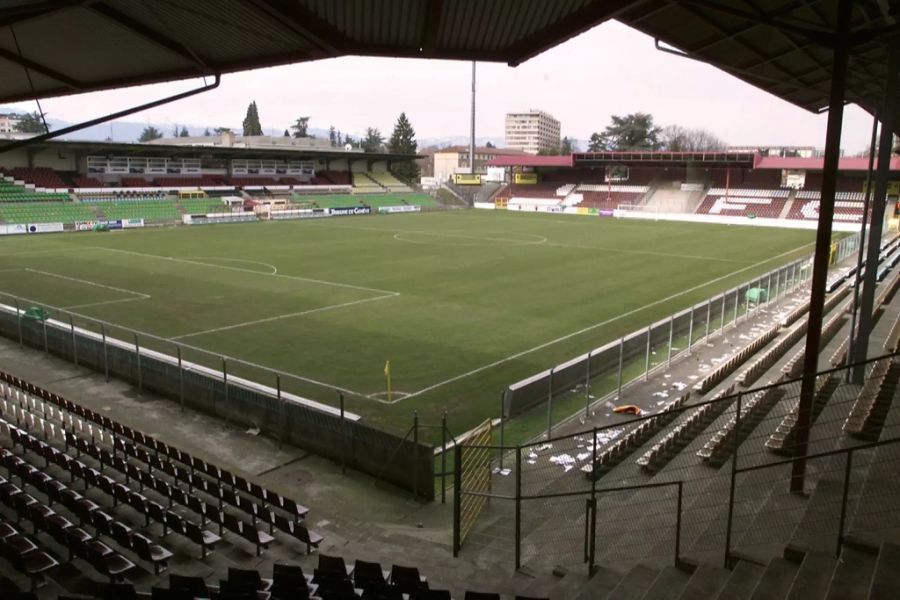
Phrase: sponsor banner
x=467 y=178
x=44 y=227
x=300 y=213
x=132 y=223
x=526 y=178
x=213 y=218
x=399 y=209
x=606 y=212
x=485 y=205
x=13 y=229
x=85 y=225
x=350 y=210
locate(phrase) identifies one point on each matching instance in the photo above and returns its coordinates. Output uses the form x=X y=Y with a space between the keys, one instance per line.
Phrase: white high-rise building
x=8 y=122
x=532 y=131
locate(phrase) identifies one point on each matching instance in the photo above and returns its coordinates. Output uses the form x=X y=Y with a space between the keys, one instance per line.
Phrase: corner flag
x=387 y=374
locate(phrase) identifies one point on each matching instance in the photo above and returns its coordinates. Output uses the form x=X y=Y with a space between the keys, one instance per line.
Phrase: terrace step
x=886 y=579
x=776 y=580
x=667 y=585
x=741 y=582
x=813 y=577
x=851 y=578
x=635 y=584
x=600 y=584
x=705 y=583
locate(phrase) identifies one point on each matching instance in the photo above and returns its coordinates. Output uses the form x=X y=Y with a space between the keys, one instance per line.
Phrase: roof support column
x=823 y=244
x=878 y=204
x=856 y=375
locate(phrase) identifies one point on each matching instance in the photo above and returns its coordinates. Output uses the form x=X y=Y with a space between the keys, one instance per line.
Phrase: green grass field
x=462 y=303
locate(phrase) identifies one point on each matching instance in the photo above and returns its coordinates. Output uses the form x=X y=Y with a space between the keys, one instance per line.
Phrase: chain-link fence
x=704 y=480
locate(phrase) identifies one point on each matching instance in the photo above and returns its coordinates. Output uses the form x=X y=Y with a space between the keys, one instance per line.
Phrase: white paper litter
x=679 y=385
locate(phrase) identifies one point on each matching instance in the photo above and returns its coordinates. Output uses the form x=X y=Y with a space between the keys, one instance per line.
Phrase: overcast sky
x=608 y=70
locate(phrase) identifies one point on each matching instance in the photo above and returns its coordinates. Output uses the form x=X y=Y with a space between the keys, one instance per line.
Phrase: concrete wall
x=361 y=447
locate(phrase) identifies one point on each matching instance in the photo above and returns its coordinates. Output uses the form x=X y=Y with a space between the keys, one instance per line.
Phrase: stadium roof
x=119 y=149
x=56 y=47
x=855 y=163
x=530 y=160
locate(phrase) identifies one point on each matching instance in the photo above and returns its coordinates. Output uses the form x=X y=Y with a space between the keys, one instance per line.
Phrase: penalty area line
x=563 y=338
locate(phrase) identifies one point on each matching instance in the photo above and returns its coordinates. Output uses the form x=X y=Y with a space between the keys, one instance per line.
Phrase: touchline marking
x=649 y=253
x=286 y=316
x=138 y=295
x=596 y=325
x=239 y=269
x=237 y=260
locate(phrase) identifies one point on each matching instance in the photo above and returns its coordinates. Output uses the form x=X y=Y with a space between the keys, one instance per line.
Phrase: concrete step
x=705 y=583
x=667 y=585
x=600 y=584
x=741 y=582
x=776 y=580
x=813 y=577
x=852 y=577
x=635 y=584
x=886 y=579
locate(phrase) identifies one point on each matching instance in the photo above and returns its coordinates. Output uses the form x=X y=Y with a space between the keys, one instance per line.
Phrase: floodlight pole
x=823 y=243
x=472 y=126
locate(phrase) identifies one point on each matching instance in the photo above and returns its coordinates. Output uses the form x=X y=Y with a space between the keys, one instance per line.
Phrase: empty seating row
x=78 y=542
x=42 y=177
x=842 y=196
x=681 y=435
x=718 y=374
x=753 y=409
x=794 y=366
x=873 y=401
x=222 y=484
x=86 y=510
x=631 y=441
x=749 y=193
x=768 y=358
x=782 y=441
x=808 y=210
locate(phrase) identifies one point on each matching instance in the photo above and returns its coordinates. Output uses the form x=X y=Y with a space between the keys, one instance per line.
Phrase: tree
x=373 y=141
x=31 y=123
x=176 y=131
x=301 y=127
x=631 y=132
x=221 y=130
x=251 y=121
x=337 y=137
x=206 y=132
x=567 y=146
x=489 y=144
x=403 y=141
x=184 y=132
x=676 y=138
x=287 y=133
x=332 y=132
x=596 y=143
x=348 y=140
x=150 y=133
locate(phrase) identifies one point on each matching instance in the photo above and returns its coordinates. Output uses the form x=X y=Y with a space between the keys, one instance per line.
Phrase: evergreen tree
x=150 y=133
x=301 y=127
x=489 y=144
x=31 y=123
x=631 y=132
x=206 y=132
x=251 y=121
x=348 y=139
x=176 y=131
x=373 y=141
x=287 y=133
x=337 y=138
x=184 y=132
x=403 y=141
x=221 y=130
x=331 y=136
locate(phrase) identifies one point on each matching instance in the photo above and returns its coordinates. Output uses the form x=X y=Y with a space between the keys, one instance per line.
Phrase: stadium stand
x=334 y=177
x=42 y=177
x=45 y=212
x=848 y=206
x=364 y=184
x=388 y=181
x=136 y=182
x=766 y=203
x=11 y=192
x=252 y=181
x=152 y=210
x=87 y=182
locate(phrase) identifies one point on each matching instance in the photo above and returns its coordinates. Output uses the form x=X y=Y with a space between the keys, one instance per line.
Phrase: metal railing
x=550 y=507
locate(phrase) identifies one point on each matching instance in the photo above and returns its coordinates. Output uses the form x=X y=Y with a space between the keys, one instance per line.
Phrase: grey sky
x=608 y=70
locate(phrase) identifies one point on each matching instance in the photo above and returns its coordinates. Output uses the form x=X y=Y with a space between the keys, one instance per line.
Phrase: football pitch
x=461 y=303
